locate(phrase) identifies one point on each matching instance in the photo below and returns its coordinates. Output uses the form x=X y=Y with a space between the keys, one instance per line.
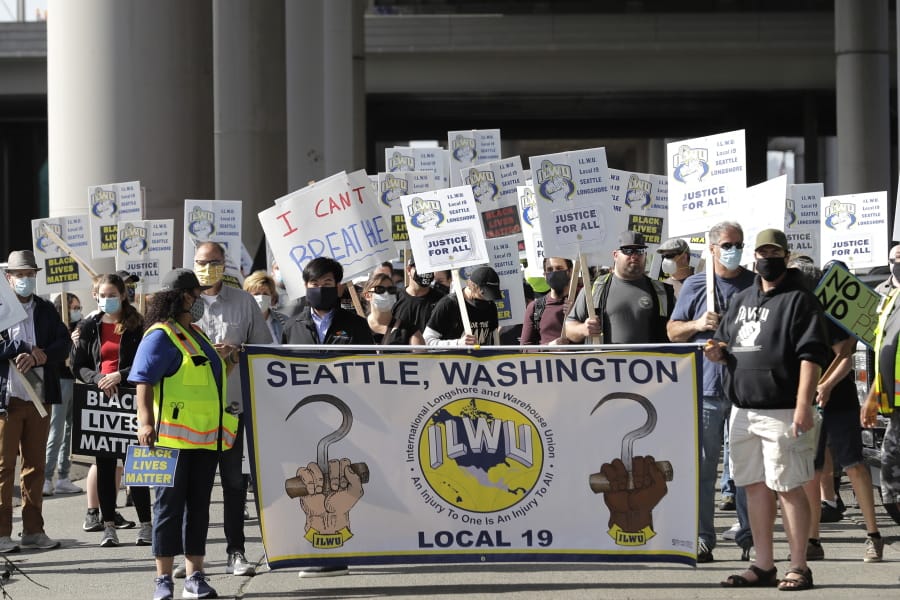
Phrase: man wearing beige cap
x=676 y=262
x=37 y=348
x=772 y=340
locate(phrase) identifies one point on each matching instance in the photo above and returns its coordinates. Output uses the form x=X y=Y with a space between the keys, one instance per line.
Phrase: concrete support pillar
x=249 y=113
x=305 y=83
x=345 y=86
x=863 y=86
x=129 y=88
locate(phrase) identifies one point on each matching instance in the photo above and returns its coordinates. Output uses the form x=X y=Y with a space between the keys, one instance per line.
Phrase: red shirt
x=109 y=348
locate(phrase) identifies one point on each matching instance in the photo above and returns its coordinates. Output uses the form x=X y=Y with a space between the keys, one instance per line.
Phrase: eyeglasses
x=212 y=263
x=729 y=245
x=670 y=256
x=380 y=289
x=630 y=251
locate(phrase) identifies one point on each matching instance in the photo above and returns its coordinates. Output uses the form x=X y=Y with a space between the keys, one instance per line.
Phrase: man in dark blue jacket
x=37 y=346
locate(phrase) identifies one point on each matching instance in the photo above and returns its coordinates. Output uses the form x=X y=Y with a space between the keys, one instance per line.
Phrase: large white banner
x=338 y=217
x=853 y=229
x=801 y=218
x=214 y=221
x=469 y=148
x=108 y=204
x=494 y=185
x=145 y=249
x=706 y=177
x=59 y=271
x=573 y=201
x=474 y=457
x=444 y=229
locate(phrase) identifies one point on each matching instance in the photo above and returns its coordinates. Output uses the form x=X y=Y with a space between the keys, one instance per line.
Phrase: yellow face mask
x=209 y=274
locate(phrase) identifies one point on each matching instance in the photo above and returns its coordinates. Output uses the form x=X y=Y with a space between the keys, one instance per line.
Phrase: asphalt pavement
x=81 y=569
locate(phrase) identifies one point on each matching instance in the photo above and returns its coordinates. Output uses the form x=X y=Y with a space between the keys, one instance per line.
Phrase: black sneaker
x=830 y=514
x=727 y=503
x=704 y=554
x=122 y=523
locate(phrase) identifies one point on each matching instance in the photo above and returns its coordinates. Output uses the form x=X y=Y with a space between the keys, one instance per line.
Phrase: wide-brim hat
x=21 y=260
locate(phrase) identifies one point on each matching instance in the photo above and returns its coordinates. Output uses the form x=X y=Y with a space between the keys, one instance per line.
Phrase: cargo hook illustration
x=327 y=488
x=632 y=485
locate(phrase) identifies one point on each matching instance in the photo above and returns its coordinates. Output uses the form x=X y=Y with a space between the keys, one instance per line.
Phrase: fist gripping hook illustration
x=632 y=485
x=328 y=488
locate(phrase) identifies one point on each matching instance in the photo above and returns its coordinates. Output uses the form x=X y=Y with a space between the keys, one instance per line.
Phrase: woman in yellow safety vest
x=180 y=383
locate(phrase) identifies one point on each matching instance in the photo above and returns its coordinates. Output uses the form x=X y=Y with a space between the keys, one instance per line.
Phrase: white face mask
x=384 y=302
x=264 y=301
x=669 y=266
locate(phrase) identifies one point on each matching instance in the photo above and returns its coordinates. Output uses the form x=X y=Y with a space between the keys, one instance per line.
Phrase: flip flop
x=763 y=578
x=803 y=582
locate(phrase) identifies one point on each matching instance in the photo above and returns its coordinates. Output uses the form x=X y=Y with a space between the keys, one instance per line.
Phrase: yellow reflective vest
x=884 y=311
x=188 y=406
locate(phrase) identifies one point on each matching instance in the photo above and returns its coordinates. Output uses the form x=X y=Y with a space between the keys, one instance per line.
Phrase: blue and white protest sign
x=145 y=466
x=338 y=217
x=853 y=229
x=145 y=249
x=469 y=148
x=59 y=271
x=707 y=175
x=390 y=186
x=214 y=221
x=107 y=205
x=494 y=186
x=572 y=197
x=801 y=218
x=445 y=230
x=531 y=231
x=404 y=158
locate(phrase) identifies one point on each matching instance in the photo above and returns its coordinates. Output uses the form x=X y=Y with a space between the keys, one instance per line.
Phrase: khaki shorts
x=764 y=450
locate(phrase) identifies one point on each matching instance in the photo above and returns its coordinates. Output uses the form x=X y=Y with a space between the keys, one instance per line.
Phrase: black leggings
x=106 y=490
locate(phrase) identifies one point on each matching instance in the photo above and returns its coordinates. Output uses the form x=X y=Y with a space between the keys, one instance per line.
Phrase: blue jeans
x=181 y=512
x=726 y=484
x=715 y=413
x=744 y=537
x=59 y=441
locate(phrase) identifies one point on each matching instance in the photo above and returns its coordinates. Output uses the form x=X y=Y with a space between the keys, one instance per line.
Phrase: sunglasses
x=380 y=289
x=631 y=251
x=729 y=245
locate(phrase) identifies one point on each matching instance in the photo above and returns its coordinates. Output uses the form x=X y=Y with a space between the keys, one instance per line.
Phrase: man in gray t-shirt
x=631 y=308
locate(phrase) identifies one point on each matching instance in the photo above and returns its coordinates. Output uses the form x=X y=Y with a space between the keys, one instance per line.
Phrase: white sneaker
x=8 y=545
x=731 y=532
x=64 y=486
x=48 y=488
x=180 y=571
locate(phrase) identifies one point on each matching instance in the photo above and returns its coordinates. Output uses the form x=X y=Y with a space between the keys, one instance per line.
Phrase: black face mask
x=772 y=268
x=444 y=289
x=323 y=298
x=895 y=271
x=558 y=281
x=423 y=279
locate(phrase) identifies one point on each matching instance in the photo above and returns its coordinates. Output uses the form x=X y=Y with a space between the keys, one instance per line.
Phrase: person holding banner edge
x=445 y=326
x=102 y=356
x=692 y=321
x=177 y=366
x=40 y=343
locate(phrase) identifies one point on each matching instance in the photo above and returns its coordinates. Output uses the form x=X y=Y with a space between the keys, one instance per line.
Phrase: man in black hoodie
x=772 y=340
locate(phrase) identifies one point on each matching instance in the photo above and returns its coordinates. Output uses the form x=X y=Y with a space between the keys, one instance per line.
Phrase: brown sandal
x=763 y=578
x=795 y=584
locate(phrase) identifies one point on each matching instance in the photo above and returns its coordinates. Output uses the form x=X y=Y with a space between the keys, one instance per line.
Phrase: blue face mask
x=731 y=258
x=109 y=305
x=24 y=286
